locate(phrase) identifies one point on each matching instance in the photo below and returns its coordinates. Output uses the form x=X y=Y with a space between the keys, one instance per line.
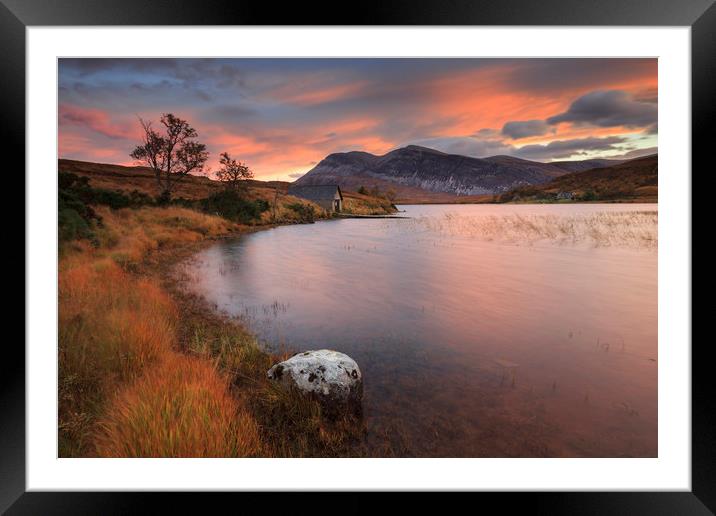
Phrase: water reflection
x=469 y=346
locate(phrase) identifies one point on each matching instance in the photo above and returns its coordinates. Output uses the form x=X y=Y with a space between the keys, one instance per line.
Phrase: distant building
x=328 y=197
x=565 y=195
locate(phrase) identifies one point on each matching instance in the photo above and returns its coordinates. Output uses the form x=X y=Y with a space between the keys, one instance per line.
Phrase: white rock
x=333 y=377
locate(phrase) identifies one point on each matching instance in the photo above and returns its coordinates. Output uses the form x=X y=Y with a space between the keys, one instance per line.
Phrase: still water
x=479 y=332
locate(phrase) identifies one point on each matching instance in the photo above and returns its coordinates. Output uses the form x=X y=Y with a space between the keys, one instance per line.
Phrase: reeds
x=630 y=229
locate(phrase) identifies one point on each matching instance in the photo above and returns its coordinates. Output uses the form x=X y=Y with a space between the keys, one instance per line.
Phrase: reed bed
x=627 y=229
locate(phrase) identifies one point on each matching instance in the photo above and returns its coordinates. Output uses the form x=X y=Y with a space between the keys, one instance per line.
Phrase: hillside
x=587 y=164
x=636 y=180
x=418 y=172
x=127 y=179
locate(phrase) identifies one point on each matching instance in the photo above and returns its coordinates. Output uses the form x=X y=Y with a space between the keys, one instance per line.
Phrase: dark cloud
x=611 y=108
x=565 y=148
x=231 y=112
x=570 y=73
x=296 y=175
x=203 y=95
x=487 y=133
x=523 y=129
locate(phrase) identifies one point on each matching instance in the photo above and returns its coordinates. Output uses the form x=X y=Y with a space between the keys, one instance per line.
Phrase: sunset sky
x=282 y=116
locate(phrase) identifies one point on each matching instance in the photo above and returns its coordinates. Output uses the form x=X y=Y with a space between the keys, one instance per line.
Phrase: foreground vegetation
x=147 y=370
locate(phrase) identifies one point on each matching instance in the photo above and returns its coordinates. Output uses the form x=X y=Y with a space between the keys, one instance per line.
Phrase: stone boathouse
x=328 y=197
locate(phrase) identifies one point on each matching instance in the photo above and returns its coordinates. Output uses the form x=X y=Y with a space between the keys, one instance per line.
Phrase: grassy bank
x=634 y=181
x=146 y=370
x=139 y=182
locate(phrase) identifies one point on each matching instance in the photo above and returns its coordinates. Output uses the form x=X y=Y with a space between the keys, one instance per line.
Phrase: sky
x=282 y=116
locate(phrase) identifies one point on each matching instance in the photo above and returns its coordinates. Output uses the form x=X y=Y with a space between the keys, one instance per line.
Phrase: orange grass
x=111 y=327
x=183 y=408
x=367 y=206
x=128 y=235
x=114 y=326
x=126 y=389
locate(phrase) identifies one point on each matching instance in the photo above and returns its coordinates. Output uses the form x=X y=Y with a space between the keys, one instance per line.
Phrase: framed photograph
x=446 y=248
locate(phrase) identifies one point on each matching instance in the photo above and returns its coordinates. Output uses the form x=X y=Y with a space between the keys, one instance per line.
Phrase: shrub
x=512 y=195
x=306 y=212
x=76 y=217
x=80 y=188
x=589 y=195
x=262 y=204
x=163 y=198
x=71 y=226
x=232 y=206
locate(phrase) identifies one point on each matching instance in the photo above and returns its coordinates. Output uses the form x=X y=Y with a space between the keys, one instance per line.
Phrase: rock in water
x=332 y=377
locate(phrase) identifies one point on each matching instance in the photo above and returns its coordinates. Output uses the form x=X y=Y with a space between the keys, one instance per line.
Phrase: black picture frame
x=16 y=15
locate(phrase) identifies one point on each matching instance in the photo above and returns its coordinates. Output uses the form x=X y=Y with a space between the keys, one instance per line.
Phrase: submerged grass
x=631 y=229
x=146 y=371
x=291 y=425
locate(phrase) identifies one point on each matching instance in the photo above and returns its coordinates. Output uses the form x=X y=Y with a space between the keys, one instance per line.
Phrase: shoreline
x=293 y=424
x=149 y=369
x=162 y=265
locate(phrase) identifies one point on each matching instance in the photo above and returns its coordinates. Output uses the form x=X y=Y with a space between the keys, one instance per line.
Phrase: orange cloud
x=95 y=120
x=302 y=113
x=309 y=91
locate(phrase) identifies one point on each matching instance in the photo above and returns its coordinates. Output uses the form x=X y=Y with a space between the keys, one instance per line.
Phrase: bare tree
x=171 y=155
x=233 y=172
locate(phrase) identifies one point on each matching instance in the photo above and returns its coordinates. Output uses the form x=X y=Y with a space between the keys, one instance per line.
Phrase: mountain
x=633 y=180
x=414 y=171
x=580 y=166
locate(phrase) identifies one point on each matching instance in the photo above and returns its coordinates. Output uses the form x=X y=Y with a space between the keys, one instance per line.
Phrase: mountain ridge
x=413 y=169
